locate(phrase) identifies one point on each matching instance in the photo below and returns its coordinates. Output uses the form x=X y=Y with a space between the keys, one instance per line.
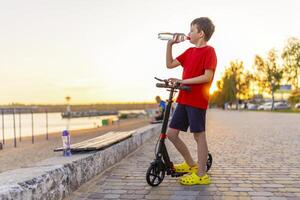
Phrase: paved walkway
x=256 y=156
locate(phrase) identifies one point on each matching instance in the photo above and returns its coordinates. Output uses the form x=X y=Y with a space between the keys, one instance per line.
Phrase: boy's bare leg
x=202 y=151
x=173 y=135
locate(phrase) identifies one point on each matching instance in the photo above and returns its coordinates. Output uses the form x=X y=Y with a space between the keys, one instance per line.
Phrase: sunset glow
x=108 y=51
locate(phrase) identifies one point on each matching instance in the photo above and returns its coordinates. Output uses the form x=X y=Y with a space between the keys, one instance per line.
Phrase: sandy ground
x=27 y=153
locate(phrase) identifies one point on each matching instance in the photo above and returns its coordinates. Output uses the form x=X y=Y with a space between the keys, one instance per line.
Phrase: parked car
x=297 y=105
x=251 y=106
x=281 y=106
x=265 y=106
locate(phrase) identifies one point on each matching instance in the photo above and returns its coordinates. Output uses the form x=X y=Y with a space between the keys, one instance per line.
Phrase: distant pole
x=32 y=136
x=15 y=134
x=3 y=138
x=47 y=137
x=68 y=99
x=20 y=126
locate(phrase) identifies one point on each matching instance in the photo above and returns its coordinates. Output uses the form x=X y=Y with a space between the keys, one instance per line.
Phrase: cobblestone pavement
x=256 y=155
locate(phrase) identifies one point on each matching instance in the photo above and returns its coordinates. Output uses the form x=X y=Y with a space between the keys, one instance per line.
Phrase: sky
x=99 y=51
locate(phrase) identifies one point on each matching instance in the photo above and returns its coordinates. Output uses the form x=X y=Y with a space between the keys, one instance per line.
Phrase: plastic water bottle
x=66 y=143
x=170 y=36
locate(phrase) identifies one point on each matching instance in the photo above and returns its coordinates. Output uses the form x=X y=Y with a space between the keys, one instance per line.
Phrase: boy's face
x=195 y=35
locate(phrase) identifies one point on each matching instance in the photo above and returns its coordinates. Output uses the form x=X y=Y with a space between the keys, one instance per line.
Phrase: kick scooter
x=162 y=164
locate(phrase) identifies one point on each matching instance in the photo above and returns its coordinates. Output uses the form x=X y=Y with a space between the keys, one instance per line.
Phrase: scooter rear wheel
x=209 y=162
x=155 y=174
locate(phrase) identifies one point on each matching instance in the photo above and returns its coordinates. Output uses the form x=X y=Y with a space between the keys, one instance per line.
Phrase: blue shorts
x=188 y=116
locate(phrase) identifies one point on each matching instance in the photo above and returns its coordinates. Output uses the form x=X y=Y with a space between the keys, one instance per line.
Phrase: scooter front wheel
x=155 y=174
x=209 y=162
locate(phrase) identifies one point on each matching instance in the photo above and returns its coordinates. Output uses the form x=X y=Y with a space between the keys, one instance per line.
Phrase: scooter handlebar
x=180 y=87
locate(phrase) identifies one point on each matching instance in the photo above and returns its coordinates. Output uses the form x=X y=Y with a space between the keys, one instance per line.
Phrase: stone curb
x=57 y=177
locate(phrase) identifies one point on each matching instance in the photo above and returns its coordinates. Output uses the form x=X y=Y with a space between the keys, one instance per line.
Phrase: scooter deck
x=178 y=174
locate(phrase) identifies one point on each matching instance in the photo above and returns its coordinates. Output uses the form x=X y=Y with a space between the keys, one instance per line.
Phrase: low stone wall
x=57 y=177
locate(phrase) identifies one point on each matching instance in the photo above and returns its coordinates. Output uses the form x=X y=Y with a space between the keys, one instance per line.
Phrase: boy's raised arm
x=170 y=62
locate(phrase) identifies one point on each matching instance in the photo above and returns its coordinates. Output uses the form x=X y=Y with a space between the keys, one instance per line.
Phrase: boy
x=159 y=115
x=199 y=64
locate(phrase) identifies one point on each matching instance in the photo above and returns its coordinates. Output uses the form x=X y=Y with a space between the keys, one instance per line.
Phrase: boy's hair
x=204 y=24
x=158 y=99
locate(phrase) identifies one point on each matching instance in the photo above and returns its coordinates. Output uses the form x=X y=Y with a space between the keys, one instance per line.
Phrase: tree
x=268 y=73
x=218 y=97
x=228 y=89
x=295 y=96
x=233 y=86
x=236 y=82
x=291 y=58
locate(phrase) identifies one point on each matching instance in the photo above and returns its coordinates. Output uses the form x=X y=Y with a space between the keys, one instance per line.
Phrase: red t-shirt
x=194 y=62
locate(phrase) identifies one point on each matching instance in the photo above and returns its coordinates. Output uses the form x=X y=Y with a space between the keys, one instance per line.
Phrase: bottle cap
x=65 y=133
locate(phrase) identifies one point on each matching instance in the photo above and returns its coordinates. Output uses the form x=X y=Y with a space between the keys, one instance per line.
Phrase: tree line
x=266 y=76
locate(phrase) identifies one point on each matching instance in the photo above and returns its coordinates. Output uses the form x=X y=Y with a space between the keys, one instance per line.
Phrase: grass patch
x=288 y=111
x=279 y=111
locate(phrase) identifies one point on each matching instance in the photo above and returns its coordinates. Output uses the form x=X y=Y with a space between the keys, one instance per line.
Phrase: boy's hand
x=175 y=80
x=175 y=40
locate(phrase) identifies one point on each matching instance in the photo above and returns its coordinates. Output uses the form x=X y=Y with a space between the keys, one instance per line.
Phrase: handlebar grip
x=161 y=85
x=184 y=87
